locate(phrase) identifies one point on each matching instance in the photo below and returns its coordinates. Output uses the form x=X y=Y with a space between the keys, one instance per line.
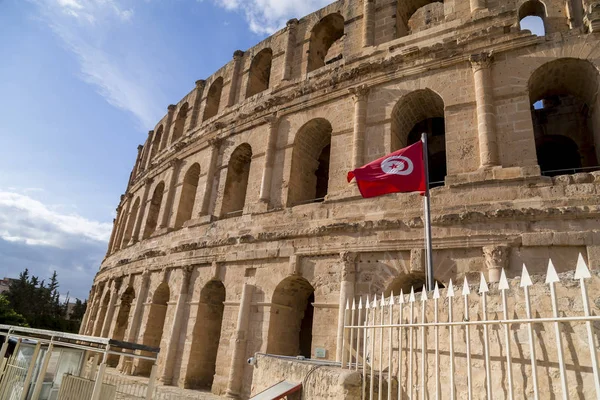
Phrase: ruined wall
x=239 y=209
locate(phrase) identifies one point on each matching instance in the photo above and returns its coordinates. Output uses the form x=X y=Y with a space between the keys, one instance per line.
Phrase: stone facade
x=239 y=233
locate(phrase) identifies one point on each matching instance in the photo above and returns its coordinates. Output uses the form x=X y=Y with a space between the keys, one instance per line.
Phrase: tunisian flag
x=400 y=171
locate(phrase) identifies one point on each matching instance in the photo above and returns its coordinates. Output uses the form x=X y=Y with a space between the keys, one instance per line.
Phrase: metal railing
x=569 y=171
x=391 y=340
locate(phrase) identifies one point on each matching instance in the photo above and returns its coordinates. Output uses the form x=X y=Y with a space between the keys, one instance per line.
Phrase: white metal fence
x=506 y=343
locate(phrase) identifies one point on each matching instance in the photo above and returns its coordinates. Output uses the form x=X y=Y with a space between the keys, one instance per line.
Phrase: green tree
x=8 y=316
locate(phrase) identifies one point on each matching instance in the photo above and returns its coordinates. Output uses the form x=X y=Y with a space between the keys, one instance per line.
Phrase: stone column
x=200 y=85
x=368 y=23
x=113 y=233
x=123 y=225
x=88 y=311
x=265 y=186
x=496 y=258
x=486 y=111
x=348 y=279
x=91 y=311
x=134 y=328
x=290 y=47
x=111 y=307
x=167 y=130
x=146 y=159
x=591 y=17
x=167 y=210
x=97 y=329
x=141 y=212
x=173 y=346
x=137 y=168
x=237 y=64
x=360 y=95
x=215 y=145
x=477 y=5
x=238 y=357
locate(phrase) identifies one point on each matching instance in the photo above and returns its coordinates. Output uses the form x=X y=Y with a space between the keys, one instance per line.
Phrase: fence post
x=100 y=377
x=3 y=352
x=30 y=370
x=42 y=373
x=151 y=381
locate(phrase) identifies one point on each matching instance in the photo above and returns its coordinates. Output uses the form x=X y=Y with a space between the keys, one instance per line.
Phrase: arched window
x=154 y=210
x=309 y=180
x=416 y=15
x=206 y=337
x=532 y=17
x=422 y=111
x=238 y=171
x=213 y=99
x=179 y=124
x=566 y=120
x=121 y=322
x=188 y=195
x=291 y=319
x=156 y=142
x=131 y=222
x=260 y=72
x=322 y=38
x=155 y=325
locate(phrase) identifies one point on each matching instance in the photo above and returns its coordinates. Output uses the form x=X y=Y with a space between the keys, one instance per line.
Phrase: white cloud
x=267 y=16
x=84 y=26
x=26 y=220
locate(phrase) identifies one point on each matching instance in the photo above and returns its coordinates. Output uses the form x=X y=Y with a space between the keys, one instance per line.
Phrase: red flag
x=401 y=171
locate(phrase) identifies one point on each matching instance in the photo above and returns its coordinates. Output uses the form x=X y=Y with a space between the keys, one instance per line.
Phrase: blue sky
x=82 y=83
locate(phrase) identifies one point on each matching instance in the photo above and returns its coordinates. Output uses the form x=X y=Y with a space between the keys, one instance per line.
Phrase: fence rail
x=416 y=348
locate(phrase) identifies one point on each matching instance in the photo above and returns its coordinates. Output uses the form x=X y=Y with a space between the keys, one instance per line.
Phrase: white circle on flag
x=397 y=165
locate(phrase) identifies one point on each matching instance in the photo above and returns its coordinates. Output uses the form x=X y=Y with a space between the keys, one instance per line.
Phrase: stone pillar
x=360 y=95
x=113 y=233
x=368 y=23
x=146 y=159
x=215 y=145
x=167 y=210
x=91 y=311
x=141 y=212
x=137 y=168
x=111 y=307
x=200 y=85
x=233 y=84
x=591 y=18
x=167 y=131
x=97 y=329
x=173 y=346
x=238 y=357
x=123 y=225
x=417 y=260
x=348 y=279
x=486 y=111
x=265 y=186
x=134 y=327
x=88 y=311
x=496 y=258
x=477 y=5
x=290 y=48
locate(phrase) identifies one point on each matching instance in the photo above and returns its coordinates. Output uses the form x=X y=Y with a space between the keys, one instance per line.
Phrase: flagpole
x=426 y=210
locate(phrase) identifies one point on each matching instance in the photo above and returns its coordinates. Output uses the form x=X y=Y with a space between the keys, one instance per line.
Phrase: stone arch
x=131 y=222
x=416 y=15
x=154 y=210
x=189 y=187
x=236 y=184
x=291 y=319
x=213 y=99
x=309 y=179
x=566 y=120
x=323 y=35
x=534 y=13
x=407 y=281
x=121 y=322
x=155 y=324
x=206 y=337
x=179 y=125
x=422 y=111
x=156 y=142
x=259 y=75
x=102 y=314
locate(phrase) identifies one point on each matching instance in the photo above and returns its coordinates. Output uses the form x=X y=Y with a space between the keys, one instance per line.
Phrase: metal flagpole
x=427 y=212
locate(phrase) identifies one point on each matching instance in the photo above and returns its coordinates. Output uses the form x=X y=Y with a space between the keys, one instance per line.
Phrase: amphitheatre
x=239 y=234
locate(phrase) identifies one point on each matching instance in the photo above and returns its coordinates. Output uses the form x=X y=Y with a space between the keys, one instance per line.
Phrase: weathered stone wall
x=470 y=65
